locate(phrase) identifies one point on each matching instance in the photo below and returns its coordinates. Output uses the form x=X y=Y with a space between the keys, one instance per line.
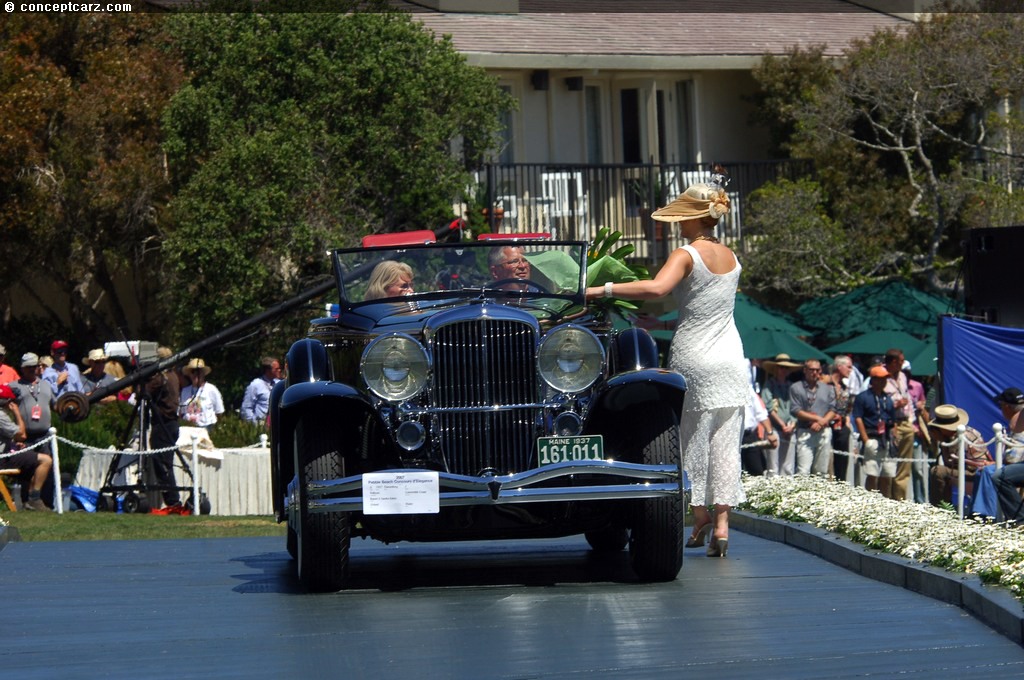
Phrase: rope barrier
x=52 y=440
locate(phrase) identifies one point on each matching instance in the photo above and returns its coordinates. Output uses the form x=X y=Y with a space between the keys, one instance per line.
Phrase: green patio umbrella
x=926 y=361
x=877 y=342
x=760 y=343
x=765 y=331
x=889 y=306
x=751 y=314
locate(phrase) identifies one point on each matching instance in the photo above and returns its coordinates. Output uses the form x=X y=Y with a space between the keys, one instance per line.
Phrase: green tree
x=299 y=132
x=83 y=179
x=913 y=135
x=931 y=100
x=798 y=250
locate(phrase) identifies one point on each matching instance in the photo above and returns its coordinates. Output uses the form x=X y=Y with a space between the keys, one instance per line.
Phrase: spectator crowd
x=31 y=387
x=878 y=426
x=871 y=423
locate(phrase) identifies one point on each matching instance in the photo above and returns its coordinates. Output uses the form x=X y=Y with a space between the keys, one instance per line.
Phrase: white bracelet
x=608 y=289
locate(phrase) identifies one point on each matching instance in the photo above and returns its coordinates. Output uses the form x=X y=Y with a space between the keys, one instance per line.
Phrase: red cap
x=6 y=392
x=58 y=344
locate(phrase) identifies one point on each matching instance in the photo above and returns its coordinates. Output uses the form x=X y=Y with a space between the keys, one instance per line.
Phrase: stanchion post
x=263 y=441
x=997 y=428
x=195 y=477
x=58 y=500
x=961 y=469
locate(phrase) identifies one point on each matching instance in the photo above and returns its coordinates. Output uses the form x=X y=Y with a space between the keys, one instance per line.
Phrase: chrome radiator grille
x=484 y=363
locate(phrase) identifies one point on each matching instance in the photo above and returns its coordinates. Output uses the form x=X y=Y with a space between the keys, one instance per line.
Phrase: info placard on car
x=401 y=493
x=560 y=449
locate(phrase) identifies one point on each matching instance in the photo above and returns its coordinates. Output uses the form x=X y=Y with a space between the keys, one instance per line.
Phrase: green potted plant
x=478 y=212
x=647 y=193
x=607 y=263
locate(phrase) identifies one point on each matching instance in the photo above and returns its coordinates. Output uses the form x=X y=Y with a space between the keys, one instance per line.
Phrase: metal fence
x=574 y=201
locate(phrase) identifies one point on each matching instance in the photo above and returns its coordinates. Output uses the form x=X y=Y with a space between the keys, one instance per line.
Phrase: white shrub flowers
x=931 y=535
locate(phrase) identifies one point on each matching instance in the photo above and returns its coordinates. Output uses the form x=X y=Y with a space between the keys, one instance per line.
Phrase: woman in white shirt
x=201 y=402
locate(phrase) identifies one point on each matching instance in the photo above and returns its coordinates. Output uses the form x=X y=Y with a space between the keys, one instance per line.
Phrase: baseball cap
x=29 y=359
x=58 y=344
x=879 y=372
x=1011 y=395
x=6 y=392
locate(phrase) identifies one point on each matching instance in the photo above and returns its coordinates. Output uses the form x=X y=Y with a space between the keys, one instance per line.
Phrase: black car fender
x=632 y=392
x=634 y=349
x=340 y=407
x=307 y=361
x=277 y=488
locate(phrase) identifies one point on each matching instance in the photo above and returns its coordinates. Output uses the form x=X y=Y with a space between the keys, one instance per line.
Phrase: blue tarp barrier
x=978 y=361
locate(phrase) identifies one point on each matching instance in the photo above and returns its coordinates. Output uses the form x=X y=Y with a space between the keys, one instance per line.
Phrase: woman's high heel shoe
x=718 y=547
x=697 y=538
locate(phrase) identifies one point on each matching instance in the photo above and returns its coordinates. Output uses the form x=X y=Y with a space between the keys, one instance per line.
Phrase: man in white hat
x=201 y=401
x=35 y=398
x=943 y=476
x=96 y=376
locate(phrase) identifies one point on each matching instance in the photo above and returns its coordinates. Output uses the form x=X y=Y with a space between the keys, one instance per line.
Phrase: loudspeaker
x=992 y=292
x=539 y=80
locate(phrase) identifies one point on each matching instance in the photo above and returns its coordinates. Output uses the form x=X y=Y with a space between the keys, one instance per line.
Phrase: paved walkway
x=230 y=608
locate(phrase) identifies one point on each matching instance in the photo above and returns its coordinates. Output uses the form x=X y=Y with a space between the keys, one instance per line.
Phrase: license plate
x=560 y=449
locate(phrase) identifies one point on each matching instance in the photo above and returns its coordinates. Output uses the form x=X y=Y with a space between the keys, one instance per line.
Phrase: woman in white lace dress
x=707 y=350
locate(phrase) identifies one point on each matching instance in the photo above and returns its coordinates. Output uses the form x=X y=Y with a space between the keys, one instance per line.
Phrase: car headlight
x=395 y=367
x=570 y=359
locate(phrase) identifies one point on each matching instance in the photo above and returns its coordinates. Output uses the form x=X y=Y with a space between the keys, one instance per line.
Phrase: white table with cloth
x=236 y=481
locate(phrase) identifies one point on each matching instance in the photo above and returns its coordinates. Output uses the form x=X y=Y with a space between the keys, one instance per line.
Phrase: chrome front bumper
x=634 y=481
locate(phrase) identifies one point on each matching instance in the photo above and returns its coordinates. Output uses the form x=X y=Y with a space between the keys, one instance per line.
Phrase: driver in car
x=508 y=262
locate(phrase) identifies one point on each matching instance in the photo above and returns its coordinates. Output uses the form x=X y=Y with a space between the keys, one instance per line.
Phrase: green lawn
x=108 y=526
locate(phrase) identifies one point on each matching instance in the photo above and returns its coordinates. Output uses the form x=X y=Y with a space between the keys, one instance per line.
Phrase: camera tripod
x=139 y=497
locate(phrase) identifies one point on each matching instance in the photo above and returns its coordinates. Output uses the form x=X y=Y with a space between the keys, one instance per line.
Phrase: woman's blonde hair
x=385 y=274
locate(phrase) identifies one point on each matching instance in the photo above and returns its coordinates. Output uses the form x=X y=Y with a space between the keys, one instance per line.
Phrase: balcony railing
x=574 y=201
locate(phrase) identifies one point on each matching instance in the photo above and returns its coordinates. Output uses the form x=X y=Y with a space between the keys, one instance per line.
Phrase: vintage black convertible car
x=464 y=392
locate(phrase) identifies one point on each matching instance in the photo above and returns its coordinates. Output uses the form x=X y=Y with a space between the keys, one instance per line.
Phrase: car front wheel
x=321 y=539
x=658 y=532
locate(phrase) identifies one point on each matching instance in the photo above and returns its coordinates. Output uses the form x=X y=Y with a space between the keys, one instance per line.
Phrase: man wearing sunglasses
x=813 y=402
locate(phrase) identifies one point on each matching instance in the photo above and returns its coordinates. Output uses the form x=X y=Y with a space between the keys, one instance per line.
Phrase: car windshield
x=540 y=272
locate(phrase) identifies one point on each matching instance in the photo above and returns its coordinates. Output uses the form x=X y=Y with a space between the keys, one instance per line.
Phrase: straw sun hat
x=781 y=360
x=196 y=365
x=94 y=355
x=948 y=417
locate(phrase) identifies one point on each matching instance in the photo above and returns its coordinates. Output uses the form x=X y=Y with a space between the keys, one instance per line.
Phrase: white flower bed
x=925 y=533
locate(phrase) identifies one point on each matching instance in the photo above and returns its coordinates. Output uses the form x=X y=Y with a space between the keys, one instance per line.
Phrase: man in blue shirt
x=256 y=401
x=874 y=416
x=63 y=376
